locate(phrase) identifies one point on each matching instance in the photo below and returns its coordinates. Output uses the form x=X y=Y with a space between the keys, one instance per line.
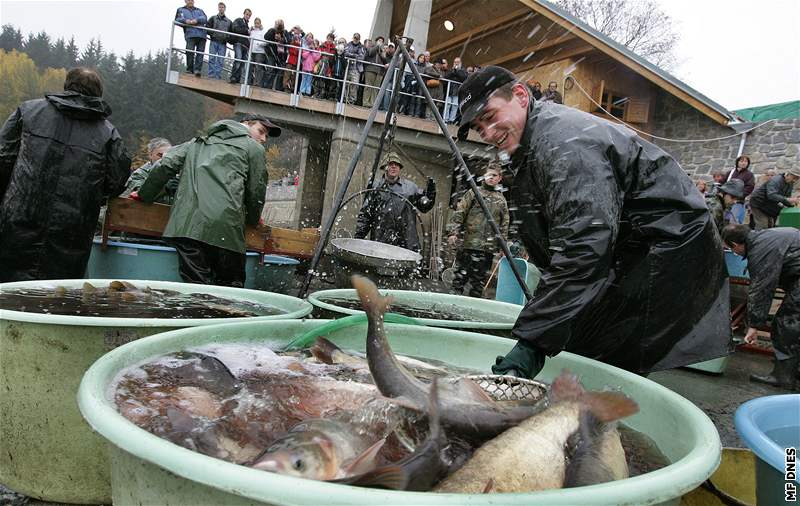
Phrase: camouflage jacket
x=469 y=223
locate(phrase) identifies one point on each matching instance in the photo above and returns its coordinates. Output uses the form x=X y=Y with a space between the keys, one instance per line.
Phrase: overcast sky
x=737 y=52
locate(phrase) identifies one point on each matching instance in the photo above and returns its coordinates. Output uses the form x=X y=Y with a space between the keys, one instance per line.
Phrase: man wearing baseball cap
x=632 y=270
x=223 y=181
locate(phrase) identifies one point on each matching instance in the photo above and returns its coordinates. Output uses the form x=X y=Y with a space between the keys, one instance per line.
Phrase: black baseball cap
x=476 y=90
x=273 y=130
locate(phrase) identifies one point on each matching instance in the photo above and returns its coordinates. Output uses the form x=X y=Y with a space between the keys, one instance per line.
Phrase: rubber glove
x=523 y=361
x=135 y=196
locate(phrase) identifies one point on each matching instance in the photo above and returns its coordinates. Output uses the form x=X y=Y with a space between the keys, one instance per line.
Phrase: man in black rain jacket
x=632 y=265
x=773 y=260
x=388 y=214
x=59 y=159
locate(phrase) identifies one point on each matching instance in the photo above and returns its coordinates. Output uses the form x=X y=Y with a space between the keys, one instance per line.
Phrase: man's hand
x=750 y=337
x=135 y=196
x=452 y=240
x=793 y=200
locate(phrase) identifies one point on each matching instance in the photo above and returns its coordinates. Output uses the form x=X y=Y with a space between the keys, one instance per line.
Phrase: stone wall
x=775 y=145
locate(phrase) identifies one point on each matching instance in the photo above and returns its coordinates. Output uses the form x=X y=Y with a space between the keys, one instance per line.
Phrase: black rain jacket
x=771 y=197
x=59 y=159
x=632 y=265
x=388 y=218
x=773 y=260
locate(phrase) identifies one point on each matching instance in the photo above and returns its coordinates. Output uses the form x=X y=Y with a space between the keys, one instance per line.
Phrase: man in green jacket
x=222 y=188
x=474 y=257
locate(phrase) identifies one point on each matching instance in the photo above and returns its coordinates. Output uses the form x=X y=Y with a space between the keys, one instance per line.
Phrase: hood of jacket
x=79 y=106
x=226 y=129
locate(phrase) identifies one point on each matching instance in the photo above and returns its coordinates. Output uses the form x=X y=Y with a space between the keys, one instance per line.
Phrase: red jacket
x=294 y=51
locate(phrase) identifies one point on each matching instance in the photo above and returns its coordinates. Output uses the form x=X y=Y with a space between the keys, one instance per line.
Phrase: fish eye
x=298 y=464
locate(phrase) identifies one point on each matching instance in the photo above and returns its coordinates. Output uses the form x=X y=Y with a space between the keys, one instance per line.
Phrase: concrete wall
x=773 y=146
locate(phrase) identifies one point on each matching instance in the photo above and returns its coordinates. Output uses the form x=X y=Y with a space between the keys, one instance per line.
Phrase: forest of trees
x=143 y=105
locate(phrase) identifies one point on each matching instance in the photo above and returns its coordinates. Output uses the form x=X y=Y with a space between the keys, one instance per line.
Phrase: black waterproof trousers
x=202 y=263
x=472 y=266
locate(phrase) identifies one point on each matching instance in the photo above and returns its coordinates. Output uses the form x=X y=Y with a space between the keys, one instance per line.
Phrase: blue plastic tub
x=125 y=260
x=508 y=289
x=770 y=426
x=737 y=266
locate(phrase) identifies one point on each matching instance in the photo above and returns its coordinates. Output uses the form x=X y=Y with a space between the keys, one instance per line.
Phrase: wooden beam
x=523 y=52
x=628 y=62
x=444 y=10
x=561 y=55
x=480 y=32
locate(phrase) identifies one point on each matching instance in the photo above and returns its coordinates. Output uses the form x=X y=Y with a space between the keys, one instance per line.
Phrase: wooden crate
x=127 y=215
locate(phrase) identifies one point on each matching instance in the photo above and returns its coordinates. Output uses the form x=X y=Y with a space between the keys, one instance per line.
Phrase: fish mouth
x=270 y=466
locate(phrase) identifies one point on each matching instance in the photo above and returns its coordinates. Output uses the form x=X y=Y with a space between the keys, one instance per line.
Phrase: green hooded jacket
x=222 y=186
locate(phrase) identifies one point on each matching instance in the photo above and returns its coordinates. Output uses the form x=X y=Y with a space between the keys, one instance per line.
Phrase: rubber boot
x=783 y=375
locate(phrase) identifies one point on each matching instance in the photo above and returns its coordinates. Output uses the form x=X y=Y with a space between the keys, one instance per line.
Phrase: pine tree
x=10 y=39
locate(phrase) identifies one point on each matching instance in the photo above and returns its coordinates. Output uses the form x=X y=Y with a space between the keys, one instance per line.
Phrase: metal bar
x=171 y=47
x=340 y=193
x=388 y=124
x=462 y=165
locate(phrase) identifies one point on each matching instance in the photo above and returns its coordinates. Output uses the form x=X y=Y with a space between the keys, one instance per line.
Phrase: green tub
x=150 y=470
x=495 y=315
x=127 y=260
x=46 y=449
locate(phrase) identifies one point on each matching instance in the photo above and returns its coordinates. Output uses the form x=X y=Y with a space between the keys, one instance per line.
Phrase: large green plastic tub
x=46 y=449
x=789 y=217
x=497 y=315
x=126 y=260
x=150 y=470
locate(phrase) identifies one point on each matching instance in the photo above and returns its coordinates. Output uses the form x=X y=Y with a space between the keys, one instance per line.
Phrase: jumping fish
x=532 y=456
x=466 y=409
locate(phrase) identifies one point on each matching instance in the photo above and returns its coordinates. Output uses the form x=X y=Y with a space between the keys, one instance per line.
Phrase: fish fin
x=489 y=486
x=606 y=406
x=586 y=467
x=373 y=302
x=610 y=406
x=391 y=477
x=566 y=387
x=366 y=461
x=469 y=390
x=323 y=350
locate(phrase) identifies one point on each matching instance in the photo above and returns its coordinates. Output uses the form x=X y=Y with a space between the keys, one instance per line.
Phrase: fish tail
x=606 y=406
x=433 y=412
x=324 y=350
x=586 y=467
x=374 y=303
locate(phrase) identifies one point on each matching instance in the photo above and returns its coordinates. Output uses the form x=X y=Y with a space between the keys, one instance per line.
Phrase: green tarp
x=784 y=110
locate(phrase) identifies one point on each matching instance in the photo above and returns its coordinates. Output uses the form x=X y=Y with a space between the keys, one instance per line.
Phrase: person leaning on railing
x=293 y=51
x=375 y=56
x=192 y=19
x=258 y=54
x=324 y=67
x=277 y=53
x=241 y=44
x=220 y=25
x=354 y=50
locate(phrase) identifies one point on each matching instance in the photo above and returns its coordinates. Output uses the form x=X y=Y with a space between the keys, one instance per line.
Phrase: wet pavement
x=720 y=395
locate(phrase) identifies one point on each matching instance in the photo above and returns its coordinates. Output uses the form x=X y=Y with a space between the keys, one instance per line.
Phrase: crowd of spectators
x=295 y=61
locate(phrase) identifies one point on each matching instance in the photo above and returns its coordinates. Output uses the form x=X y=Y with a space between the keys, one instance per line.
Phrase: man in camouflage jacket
x=474 y=257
